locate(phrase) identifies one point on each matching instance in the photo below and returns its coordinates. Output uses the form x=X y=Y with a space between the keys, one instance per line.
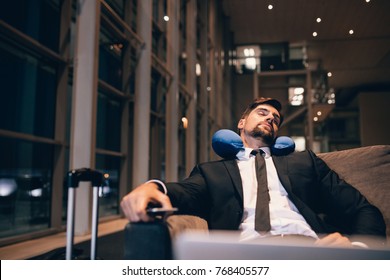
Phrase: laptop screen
x=225 y=245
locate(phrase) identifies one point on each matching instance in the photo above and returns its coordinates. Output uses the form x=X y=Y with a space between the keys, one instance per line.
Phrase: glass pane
x=157 y=126
x=109 y=192
x=108 y=127
x=36 y=18
x=134 y=15
x=110 y=59
x=28 y=93
x=156 y=35
x=25 y=186
x=117 y=6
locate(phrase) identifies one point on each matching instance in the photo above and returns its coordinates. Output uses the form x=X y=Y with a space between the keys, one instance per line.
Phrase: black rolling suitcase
x=74 y=177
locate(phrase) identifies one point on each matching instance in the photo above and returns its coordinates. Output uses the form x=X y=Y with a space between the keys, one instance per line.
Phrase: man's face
x=262 y=122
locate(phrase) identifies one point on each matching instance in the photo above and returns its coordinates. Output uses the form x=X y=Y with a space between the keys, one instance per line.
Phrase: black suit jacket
x=214 y=191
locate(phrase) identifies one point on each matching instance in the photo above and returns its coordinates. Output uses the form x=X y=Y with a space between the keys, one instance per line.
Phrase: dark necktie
x=262 y=220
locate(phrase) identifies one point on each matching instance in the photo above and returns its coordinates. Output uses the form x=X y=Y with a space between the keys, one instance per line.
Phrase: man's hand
x=334 y=239
x=134 y=204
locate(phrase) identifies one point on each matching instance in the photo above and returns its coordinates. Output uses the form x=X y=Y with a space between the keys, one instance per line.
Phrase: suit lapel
x=232 y=168
x=281 y=165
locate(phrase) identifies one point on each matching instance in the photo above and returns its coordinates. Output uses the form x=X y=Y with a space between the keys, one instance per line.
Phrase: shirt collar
x=246 y=153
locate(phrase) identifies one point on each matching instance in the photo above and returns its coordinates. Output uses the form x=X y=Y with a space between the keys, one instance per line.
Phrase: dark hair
x=263 y=100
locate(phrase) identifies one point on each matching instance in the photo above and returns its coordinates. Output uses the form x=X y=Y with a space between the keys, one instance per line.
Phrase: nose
x=270 y=118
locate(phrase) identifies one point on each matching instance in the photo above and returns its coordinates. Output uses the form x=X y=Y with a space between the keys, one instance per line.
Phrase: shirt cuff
x=359 y=244
x=161 y=185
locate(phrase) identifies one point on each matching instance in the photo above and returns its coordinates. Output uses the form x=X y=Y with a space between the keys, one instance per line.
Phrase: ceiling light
x=166 y=18
x=270 y=7
x=299 y=90
x=319 y=113
x=329 y=74
x=318 y=19
x=296 y=95
x=249 y=52
x=315 y=119
x=351 y=31
x=367 y=1
x=315 y=34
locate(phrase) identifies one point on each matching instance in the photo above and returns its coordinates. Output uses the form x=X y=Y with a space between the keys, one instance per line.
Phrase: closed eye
x=265 y=112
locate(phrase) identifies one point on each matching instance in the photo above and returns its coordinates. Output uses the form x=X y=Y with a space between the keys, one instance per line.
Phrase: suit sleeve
x=191 y=195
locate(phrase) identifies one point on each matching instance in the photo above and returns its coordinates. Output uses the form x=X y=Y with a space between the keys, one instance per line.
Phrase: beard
x=267 y=136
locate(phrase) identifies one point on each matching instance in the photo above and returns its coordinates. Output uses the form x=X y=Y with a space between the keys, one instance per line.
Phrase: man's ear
x=241 y=124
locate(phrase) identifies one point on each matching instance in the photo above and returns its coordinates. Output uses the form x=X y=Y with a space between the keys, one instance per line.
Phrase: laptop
x=225 y=245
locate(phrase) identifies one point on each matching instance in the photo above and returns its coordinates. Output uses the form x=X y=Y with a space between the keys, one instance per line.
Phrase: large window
x=27 y=121
x=38 y=116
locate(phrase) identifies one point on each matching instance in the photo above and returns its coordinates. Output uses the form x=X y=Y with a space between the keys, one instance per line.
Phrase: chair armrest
x=181 y=223
x=152 y=241
x=147 y=241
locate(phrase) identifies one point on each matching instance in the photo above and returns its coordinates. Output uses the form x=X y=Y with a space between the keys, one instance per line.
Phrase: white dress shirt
x=285 y=217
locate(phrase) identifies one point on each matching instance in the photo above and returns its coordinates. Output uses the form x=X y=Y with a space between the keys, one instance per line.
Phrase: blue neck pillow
x=226 y=143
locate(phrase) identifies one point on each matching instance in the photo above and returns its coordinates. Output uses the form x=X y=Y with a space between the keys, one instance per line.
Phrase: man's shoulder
x=216 y=168
x=298 y=155
x=216 y=165
x=215 y=162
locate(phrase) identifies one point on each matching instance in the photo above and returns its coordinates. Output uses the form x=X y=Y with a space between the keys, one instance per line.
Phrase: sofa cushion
x=368 y=170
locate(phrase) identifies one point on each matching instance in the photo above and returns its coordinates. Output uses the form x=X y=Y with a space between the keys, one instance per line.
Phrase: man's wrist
x=161 y=186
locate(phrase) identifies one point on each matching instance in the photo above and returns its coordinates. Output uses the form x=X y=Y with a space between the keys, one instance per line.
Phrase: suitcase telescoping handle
x=74 y=177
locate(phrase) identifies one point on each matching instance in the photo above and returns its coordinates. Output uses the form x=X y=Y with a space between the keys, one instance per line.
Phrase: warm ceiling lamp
x=270 y=7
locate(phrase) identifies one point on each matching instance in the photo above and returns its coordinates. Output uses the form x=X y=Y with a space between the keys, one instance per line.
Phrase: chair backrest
x=367 y=169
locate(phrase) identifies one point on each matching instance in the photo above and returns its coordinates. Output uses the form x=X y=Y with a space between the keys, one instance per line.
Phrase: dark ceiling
x=357 y=61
